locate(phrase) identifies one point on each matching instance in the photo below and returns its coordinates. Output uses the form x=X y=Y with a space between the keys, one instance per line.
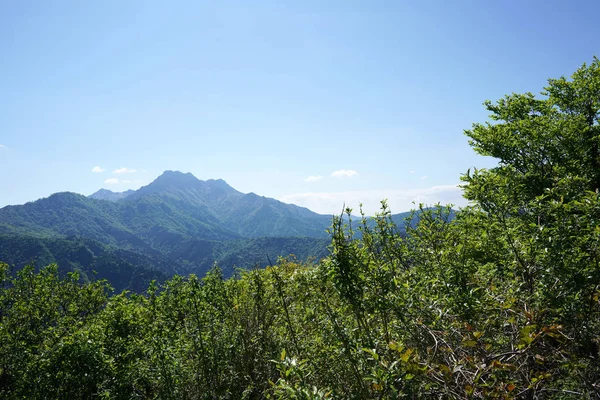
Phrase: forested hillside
x=176 y=224
x=133 y=270
x=93 y=260
x=498 y=300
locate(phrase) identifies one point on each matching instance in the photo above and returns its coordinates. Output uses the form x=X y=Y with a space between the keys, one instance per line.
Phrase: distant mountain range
x=176 y=224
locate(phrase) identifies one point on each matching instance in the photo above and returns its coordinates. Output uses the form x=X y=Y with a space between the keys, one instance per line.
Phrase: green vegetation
x=500 y=300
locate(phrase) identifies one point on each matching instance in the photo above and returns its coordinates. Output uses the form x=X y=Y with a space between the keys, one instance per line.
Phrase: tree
x=542 y=203
x=42 y=351
x=542 y=141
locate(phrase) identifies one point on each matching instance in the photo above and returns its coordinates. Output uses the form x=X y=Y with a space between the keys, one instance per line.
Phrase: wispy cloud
x=398 y=200
x=344 y=173
x=97 y=169
x=424 y=177
x=111 y=181
x=412 y=171
x=2 y=146
x=313 y=178
x=124 y=171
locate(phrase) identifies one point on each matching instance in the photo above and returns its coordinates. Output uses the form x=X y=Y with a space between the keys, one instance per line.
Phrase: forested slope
x=176 y=224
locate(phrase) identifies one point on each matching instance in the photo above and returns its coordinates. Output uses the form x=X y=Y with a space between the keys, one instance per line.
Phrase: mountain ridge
x=175 y=224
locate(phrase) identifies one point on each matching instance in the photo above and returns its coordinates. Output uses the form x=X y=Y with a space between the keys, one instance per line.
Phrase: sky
x=316 y=103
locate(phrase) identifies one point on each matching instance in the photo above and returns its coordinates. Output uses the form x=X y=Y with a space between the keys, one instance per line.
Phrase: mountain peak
x=176 y=178
x=173 y=173
x=184 y=185
x=186 y=180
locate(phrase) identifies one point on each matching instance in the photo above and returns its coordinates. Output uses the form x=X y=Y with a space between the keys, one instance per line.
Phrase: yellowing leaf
x=406 y=355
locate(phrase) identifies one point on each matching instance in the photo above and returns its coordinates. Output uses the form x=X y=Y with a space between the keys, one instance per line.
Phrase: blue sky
x=368 y=98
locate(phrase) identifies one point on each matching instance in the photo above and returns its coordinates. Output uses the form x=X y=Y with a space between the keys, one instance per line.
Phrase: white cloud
x=2 y=146
x=111 y=181
x=124 y=171
x=344 y=173
x=97 y=169
x=313 y=178
x=424 y=177
x=398 y=200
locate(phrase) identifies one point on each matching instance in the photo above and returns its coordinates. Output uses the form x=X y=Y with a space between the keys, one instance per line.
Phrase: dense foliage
x=500 y=302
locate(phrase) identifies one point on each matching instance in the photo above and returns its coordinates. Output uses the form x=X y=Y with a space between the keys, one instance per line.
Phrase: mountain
x=104 y=194
x=132 y=225
x=186 y=186
x=176 y=224
x=247 y=215
x=175 y=203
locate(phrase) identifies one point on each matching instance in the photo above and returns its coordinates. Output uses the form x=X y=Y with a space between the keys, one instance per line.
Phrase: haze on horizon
x=316 y=104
